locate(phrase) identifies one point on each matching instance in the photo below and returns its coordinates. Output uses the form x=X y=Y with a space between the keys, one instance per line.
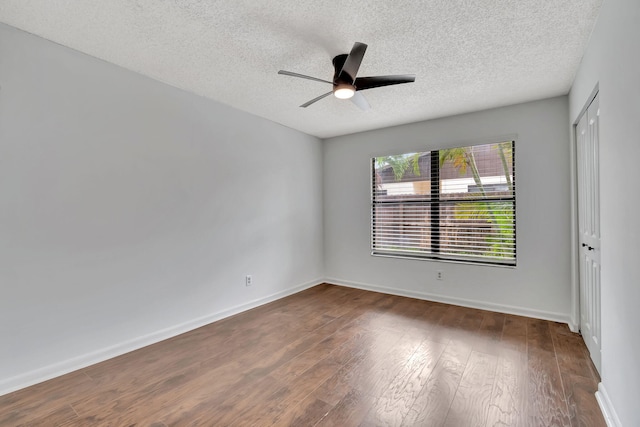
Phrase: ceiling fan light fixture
x=344 y=91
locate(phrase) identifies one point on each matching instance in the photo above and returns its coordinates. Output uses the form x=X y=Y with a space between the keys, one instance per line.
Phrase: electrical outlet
x=248 y=280
x=439 y=275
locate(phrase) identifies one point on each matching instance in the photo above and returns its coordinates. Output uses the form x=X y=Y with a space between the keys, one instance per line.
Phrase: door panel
x=587 y=141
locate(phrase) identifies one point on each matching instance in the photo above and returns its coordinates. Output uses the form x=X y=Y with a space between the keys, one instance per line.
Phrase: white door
x=589 y=228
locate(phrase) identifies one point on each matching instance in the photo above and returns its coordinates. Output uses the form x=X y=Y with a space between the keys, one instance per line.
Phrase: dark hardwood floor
x=333 y=356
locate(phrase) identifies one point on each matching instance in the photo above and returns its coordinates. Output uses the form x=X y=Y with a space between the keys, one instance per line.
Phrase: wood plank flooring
x=333 y=356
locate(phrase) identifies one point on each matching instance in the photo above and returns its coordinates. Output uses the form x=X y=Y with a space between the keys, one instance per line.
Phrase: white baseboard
x=482 y=305
x=609 y=413
x=574 y=326
x=57 y=369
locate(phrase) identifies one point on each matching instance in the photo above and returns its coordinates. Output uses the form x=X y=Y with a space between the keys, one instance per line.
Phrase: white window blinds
x=453 y=204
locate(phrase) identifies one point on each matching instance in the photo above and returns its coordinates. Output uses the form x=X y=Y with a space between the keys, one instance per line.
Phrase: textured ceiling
x=467 y=55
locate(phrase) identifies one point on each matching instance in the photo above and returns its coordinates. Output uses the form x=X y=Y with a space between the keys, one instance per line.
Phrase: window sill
x=445 y=260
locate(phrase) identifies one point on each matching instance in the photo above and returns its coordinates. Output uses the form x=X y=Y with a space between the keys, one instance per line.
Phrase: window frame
x=436 y=202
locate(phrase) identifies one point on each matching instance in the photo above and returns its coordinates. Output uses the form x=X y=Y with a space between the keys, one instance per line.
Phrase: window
x=452 y=204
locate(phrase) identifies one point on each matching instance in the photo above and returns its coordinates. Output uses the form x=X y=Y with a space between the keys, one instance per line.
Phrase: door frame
x=574 y=324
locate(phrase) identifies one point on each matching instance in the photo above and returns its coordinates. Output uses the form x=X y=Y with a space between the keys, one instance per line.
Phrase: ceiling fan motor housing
x=338 y=76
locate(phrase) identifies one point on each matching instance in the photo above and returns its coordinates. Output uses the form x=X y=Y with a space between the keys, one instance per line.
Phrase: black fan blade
x=363 y=83
x=306 y=104
x=360 y=101
x=353 y=61
x=302 y=76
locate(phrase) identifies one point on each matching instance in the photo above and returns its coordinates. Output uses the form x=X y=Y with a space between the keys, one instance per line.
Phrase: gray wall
x=540 y=285
x=613 y=62
x=131 y=210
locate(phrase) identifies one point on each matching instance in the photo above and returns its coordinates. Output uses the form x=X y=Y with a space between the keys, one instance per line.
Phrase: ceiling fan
x=345 y=83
